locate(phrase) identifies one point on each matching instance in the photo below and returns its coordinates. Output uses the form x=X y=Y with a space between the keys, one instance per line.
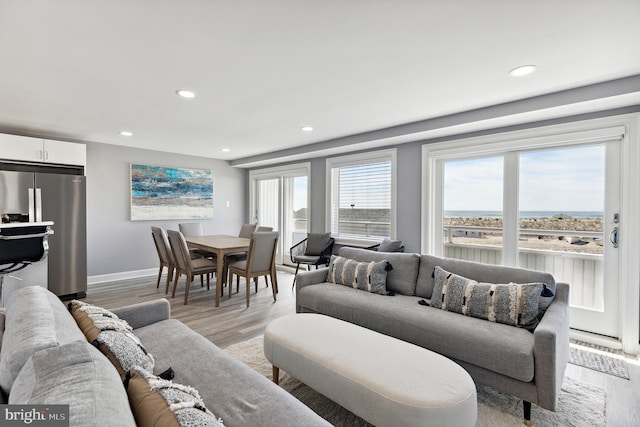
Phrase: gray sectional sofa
x=46 y=359
x=528 y=365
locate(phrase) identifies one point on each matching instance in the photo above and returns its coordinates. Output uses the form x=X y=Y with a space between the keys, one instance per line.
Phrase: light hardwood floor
x=232 y=322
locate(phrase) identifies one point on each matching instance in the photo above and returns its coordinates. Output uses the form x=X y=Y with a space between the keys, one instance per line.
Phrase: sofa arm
x=145 y=313
x=551 y=348
x=311 y=277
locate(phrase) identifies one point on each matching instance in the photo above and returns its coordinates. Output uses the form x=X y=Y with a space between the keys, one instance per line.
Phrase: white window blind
x=361 y=198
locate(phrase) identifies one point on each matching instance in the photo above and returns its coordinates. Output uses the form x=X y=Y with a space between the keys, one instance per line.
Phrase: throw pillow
x=511 y=304
x=113 y=336
x=388 y=245
x=316 y=243
x=158 y=402
x=366 y=276
x=75 y=374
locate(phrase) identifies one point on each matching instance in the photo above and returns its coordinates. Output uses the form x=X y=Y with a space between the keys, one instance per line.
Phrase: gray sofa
x=46 y=359
x=513 y=360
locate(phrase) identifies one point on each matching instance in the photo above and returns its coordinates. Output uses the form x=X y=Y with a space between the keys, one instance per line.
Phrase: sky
x=563 y=180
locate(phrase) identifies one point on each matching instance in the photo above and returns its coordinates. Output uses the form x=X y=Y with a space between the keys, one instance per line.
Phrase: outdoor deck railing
x=583 y=271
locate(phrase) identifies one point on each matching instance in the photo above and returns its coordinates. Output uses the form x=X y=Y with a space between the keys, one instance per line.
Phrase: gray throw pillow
x=75 y=374
x=316 y=243
x=366 y=276
x=511 y=304
x=388 y=245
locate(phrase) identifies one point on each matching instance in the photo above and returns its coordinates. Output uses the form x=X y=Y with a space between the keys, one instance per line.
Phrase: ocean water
x=523 y=214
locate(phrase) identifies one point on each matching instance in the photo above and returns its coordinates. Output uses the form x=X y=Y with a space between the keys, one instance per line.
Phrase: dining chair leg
x=159 y=276
x=274 y=279
x=255 y=281
x=273 y=286
x=208 y=281
x=175 y=284
x=169 y=278
x=230 y=280
x=248 y=288
x=187 y=286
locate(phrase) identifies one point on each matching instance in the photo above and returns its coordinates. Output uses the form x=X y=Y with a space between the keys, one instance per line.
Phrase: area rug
x=598 y=358
x=580 y=404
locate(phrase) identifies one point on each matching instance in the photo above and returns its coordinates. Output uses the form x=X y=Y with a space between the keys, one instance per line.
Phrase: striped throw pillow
x=513 y=304
x=366 y=276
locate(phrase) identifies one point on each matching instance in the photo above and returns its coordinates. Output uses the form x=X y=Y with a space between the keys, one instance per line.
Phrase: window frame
x=356 y=160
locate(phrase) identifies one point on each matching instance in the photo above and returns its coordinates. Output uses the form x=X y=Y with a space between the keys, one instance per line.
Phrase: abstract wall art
x=162 y=193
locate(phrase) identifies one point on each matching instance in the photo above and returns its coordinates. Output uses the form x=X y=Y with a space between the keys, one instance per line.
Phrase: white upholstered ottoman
x=386 y=381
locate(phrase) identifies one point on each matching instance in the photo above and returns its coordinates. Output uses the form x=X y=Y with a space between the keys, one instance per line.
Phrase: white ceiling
x=85 y=70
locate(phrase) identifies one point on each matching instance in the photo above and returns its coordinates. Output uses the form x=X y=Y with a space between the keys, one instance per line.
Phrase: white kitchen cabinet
x=29 y=149
x=64 y=153
x=13 y=147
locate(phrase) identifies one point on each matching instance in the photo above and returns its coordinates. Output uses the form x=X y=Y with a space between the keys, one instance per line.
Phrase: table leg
x=219 y=274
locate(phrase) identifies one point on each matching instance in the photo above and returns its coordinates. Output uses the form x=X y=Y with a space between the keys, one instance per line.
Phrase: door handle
x=613 y=237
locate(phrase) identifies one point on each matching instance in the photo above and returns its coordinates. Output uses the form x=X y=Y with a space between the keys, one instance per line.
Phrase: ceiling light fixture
x=523 y=70
x=126 y=133
x=225 y=150
x=306 y=128
x=186 y=93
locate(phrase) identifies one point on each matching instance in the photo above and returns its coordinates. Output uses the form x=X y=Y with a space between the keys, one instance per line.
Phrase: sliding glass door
x=279 y=199
x=553 y=208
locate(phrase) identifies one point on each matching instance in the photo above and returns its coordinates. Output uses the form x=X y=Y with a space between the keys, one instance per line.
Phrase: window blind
x=361 y=200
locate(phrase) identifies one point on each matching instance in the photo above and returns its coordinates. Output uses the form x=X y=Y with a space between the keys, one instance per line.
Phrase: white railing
x=584 y=272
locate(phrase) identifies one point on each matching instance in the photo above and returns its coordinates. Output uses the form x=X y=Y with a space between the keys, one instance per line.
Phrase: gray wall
x=116 y=244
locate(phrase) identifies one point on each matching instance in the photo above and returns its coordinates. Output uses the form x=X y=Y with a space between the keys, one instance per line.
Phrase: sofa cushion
x=113 y=337
x=366 y=276
x=493 y=346
x=157 y=402
x=512 y=304
x=481 y=273
x=231 y=390
x=402 y=279
x=75 y=374
x=35 y=319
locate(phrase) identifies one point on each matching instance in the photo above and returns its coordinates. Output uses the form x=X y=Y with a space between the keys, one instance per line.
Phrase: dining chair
x=187 y=266
x=246 y=230
x=264 y=228
x=314 y=250
x=164 y=254
x=261 y=261
x=189 y=229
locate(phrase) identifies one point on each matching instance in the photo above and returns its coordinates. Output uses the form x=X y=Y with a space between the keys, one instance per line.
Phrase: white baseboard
x=123 y=275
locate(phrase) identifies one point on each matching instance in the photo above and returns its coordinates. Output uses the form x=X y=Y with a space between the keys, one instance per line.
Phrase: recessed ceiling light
x=186 y=93
x=225 y=150
x=523 y=70
x=306 y=128
x=126 y=133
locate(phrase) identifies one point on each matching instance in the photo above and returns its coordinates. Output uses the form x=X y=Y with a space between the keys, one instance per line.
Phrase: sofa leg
x=527 y=412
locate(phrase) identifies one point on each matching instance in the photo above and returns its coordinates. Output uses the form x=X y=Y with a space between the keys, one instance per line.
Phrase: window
x=362 y=196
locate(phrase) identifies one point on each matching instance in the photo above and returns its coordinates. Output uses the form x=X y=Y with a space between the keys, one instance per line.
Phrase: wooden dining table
x=220 y=245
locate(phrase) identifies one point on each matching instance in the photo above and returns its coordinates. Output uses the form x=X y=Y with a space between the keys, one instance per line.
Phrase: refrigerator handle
x=32 y=208
x=38 y=204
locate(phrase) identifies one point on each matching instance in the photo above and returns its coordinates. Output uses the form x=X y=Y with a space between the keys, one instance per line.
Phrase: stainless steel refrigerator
x=41 y=193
